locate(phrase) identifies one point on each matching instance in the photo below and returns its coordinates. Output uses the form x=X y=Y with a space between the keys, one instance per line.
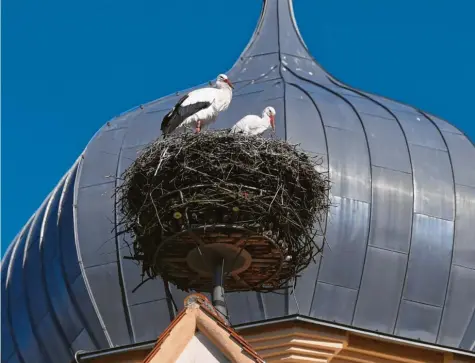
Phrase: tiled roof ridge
x=205 y=306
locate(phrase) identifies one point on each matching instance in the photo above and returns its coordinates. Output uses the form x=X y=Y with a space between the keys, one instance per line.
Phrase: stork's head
x=223 y=81
x=270 y=113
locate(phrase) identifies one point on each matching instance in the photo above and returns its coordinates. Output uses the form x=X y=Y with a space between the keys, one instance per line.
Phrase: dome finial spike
x=276 y=31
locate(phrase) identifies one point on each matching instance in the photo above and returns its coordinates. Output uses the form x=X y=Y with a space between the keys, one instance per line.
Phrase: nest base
x=188 y=258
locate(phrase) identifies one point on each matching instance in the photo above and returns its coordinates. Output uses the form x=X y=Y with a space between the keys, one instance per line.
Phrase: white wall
x=201 y=350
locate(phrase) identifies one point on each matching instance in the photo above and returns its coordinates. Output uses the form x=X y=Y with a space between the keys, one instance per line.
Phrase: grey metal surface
x=391 y=210
x=383 y=272
x=402 y=257
x=418 y=321
x=429 y=260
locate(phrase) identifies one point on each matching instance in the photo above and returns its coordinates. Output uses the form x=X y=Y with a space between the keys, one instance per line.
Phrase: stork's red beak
x=272 y=121
x=229 y=82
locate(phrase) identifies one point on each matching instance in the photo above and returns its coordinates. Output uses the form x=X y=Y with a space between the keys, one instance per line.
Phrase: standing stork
x=199 y=107
x=255 y=125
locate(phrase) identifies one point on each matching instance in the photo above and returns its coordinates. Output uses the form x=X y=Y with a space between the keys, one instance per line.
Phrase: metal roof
x=402 y=258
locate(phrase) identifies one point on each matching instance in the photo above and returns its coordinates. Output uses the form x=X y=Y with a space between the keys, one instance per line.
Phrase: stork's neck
x=277 y=32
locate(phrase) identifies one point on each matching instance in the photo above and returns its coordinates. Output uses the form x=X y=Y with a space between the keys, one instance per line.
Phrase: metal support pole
x=218 y=289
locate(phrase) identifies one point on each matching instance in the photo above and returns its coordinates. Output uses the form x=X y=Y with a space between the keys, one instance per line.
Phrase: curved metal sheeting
x=383 y=272
x=459 y=305
x=464 y=251
x=401 y=257
x=391 y=210
x=418 y=321
x=429 y=260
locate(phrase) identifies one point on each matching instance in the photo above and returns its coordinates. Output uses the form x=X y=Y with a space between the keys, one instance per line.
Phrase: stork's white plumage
x=255 y=125
x=199 y=107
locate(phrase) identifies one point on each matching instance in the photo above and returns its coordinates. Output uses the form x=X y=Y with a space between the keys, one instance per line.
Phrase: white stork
x=255 y=125
x=199 y=107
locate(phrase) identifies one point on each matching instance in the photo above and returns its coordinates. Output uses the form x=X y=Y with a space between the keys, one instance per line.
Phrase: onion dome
x=402 y=255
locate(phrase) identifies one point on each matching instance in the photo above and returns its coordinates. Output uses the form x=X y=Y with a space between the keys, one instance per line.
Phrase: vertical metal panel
x=243 y=307
x=144 y=128
x=464 y=250
x=462 y=154
x=380 y=291
x=429 y=260
x=105 y=287
x=335 y=112
x=86 y=310
x=100 y=158
x=418 y=321
x=266 y=37
x=289 y=40
x=82 y=342
x=27 y=343
x=150 y=319
x=80 y=302
x=120 y=121
x=349 y=164
x=254 y=69
x=347 y=233
x=7 y=342
x=333 y=303
x=48 y=242
x=468 y=341
x=420 y=131
x=460 y=304
x=132 y=273
x=303 y=123
x=12 y=359
x=32 y=235
x=305 y=68
x=387 y=144
x=10 y=278
x=275 y=303
x=391 y=214
x=300 y=299
x=61 y=302
x=433 y=182
x=7 y=348
x=52 y=341
x=444 y=125
x=95 y=222
x=391 y=104
x=366 y=105
x=34 y=287
x=264 y=88
x=67 y=243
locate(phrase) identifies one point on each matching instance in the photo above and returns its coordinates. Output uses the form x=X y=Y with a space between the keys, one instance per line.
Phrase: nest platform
x=253 y=204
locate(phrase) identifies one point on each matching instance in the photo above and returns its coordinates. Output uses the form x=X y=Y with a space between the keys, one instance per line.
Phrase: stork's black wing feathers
x=179 y=113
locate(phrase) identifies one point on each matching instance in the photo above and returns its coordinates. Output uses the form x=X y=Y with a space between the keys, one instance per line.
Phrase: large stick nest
x=189 y=190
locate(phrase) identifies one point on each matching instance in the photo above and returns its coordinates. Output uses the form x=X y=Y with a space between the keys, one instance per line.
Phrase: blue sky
x=68 y=67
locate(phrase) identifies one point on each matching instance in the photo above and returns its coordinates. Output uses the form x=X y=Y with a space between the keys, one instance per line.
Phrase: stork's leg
x=198 y=126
